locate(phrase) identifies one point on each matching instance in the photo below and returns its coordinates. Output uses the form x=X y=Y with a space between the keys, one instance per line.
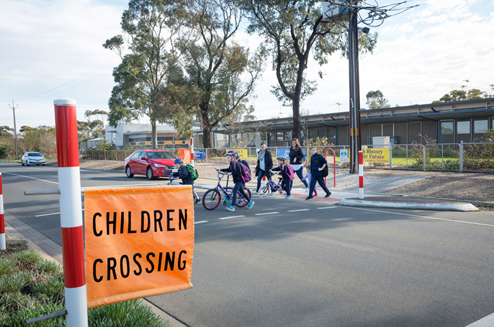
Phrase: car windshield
x=160 y=155
x=34 y=154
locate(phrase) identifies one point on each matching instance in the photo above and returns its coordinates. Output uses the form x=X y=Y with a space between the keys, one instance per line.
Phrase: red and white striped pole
x=3 y=246
x=192 y=151
x=69 y=181
x=361 y=174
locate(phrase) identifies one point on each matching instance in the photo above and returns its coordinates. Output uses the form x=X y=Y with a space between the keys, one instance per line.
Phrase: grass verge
x=31 y=286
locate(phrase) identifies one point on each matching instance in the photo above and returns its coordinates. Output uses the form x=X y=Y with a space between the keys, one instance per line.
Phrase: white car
x=33 y=158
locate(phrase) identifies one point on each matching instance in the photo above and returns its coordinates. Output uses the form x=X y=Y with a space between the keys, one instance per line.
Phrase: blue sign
x=343 y=155
x=285 y=152
x=200 y=154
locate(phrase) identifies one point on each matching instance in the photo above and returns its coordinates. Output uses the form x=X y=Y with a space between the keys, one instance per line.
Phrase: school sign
x=376 y=155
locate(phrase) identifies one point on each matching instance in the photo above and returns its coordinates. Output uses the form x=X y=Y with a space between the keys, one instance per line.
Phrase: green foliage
x=292 y=32
x=40 y=139
x=149 y=28
x=217 y=74
x=464 y=94
x=31 y=287
x=479 y=157
x=376 y=100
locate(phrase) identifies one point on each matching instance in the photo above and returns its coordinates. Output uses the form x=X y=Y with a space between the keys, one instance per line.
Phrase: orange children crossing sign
x=139 y=242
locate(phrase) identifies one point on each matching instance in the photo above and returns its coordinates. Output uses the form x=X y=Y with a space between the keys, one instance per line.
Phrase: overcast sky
x=52 y=49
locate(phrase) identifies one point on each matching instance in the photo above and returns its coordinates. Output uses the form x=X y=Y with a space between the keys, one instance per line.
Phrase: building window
x=312 y=133
x=447 y=128
x=463 y=127
x=480 y=126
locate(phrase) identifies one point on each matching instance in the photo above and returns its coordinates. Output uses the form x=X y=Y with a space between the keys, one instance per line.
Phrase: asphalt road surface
x=297 y=263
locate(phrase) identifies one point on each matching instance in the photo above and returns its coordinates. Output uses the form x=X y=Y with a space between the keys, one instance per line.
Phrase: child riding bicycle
x=236 y=170
x=184 y=174
x=283 y=169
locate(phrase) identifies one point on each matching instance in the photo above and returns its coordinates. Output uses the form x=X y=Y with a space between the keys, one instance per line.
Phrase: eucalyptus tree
x=292 y=32
x=147 y=51
x=376 y=100
x=216 y=73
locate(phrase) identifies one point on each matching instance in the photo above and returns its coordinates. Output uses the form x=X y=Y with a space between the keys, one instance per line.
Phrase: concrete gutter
x=408 y=203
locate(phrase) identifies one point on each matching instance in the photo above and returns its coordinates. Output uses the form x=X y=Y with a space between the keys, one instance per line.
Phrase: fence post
x=2 y=219
x=461 y=156
x=390 y=155
x=423 y=154
x=406 y=155
x=69 y=181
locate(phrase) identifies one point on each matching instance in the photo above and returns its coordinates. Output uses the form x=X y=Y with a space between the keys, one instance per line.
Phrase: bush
x=31 y=287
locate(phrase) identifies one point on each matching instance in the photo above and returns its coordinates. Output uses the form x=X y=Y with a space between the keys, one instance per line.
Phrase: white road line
x=267 y=213
x=326 y=207
x=200 y=222
x=43 y=180
x=232 y=217
x=427 y=217
x=50 y=214
x=298 y=210
x=484 y=322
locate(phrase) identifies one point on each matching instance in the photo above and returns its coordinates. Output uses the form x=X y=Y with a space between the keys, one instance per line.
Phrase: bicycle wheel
x=264 y=191
x=211 y=199
x=241 y=201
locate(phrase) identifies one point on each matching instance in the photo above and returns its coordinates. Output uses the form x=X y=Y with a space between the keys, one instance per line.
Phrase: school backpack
x=290 y=172
x=245 y=173
x=192 y=171
x=325 y=171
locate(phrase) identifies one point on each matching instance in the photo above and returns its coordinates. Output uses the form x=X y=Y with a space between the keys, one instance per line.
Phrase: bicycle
x=212 y=198
x=271 y=187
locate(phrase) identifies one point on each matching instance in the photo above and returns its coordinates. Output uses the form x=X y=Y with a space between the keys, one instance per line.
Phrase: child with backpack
x=185 y=175
x=241 y=175
x=287 y=173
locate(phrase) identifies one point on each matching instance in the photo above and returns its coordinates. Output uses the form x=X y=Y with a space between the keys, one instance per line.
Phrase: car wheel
x=22 y=162
x=128 y=172
x=149 y=173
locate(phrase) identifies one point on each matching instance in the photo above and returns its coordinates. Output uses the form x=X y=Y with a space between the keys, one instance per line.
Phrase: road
x=298 y=263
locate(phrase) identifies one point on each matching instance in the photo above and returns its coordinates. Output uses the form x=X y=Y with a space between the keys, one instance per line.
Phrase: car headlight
x=159 y=166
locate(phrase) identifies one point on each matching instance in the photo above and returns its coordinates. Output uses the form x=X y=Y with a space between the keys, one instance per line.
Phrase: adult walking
x=264 y=164
x=296 y=157
x=317 y=164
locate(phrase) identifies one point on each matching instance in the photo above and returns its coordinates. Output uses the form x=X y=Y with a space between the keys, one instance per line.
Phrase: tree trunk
x=297 y=127
x=154 y=136
x=206 y=129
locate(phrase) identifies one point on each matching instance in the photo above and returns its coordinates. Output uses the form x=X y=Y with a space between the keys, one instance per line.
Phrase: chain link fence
x=461 y=157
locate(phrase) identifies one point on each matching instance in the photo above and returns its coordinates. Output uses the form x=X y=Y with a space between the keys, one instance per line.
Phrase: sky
x=52 y=49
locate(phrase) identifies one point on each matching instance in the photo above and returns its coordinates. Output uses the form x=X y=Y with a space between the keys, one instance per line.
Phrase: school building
x=450 y=122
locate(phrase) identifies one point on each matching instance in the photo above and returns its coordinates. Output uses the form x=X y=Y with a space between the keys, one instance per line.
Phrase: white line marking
x=50 y=214
x=200 y=222
x=326 y=207
x=484 y=322
x=231 y=217
x=426 y=217
x=43 y=180
x=267 y=213
x=298 y=210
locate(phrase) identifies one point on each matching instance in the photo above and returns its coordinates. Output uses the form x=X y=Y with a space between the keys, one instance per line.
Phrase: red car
x=151 y=163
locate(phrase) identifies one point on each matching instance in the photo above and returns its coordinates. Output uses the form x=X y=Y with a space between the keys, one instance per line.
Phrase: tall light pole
x=15 y=128
x=349 y=9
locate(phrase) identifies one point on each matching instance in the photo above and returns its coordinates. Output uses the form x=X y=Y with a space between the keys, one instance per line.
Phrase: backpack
x=192 y=171
x=245 y=173
x=290 y=172
x=325 y=171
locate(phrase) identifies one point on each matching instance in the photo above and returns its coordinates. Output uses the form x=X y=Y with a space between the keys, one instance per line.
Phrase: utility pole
x=355 y=143
x=15 y=127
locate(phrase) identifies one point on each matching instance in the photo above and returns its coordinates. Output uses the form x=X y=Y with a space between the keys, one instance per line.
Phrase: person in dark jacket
x=296 y=157
x=264 y=164
x=317 y=164
x=236 y=170
x=184 y=174
x=283 y=169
